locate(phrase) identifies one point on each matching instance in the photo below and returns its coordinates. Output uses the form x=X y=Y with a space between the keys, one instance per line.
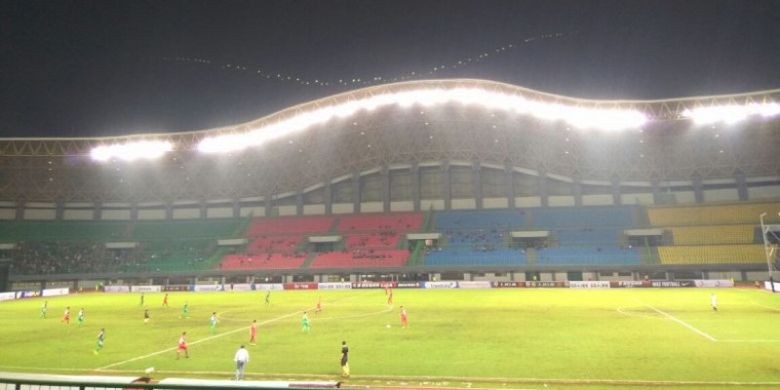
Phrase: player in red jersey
x=253 y=332
x=318 y=309
x=404 y=318
x=66 y=316
x=182 y=346
x=390 y=297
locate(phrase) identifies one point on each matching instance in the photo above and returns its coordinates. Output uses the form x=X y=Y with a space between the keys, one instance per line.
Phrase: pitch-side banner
x=240 y=287
x=474 y=284
x=28 y=294
x=335 y=286
x=673 y=283
x=508 y=284
x=300 y=286
x=176 y=287
x=706 y=283
x=149 y=289
x=546 y=284
x=442 y=284
x=116 y=289
x=630 y=283
x=768 y=286
x=208 y=287
x=7 y=296
x=268 y=286
x=589 y=284
x=50 y=292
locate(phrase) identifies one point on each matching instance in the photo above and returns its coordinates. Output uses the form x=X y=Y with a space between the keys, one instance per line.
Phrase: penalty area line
x=683 y=323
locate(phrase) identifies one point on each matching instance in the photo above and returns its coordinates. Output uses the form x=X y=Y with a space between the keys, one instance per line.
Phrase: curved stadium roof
x=415 y=123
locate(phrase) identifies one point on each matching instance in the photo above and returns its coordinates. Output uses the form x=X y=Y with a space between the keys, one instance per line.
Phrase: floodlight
x=579 y=117
x=130 y=151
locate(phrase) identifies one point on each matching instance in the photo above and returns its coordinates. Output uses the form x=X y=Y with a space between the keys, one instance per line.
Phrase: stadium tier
x=560 y=236
x=708 y=235
x=577 y=235
x=722 y=214
x=712 y=254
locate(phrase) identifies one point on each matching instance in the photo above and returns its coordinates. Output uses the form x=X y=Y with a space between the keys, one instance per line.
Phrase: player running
x=142 y=300
x=165 y=300
x=318 y=309
x=182 y=347
x=390 y=297
x=306 y=327
x=714 y=302
x=268 y=297
x=213 y=323
x=66 y=316
x=100 y=339
x=44 y=309
x=253 y=332
x=146 y=315
x=185 y=311
x=404 y=318
x=81 y=316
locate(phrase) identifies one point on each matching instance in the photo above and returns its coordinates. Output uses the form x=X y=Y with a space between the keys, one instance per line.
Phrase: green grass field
x=523 y=337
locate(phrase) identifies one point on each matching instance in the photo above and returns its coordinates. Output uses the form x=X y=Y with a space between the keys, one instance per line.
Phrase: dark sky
x=83 y=68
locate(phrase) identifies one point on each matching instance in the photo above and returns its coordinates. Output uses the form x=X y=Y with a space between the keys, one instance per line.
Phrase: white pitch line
x=521 y=380
x=683 y=323
x=751 y=341
x=241 y=329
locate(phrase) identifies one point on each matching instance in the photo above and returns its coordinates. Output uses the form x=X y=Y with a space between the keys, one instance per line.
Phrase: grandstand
x=416 y=180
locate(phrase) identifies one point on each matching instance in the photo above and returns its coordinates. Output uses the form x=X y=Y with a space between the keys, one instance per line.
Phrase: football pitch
x=514 y=338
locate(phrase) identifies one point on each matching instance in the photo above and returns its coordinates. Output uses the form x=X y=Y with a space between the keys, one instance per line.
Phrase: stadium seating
x=579 y=235
x=712 y=233
x=270 y=261
x=707 y=235
x=747 y=213
x=398 y=222
x=712 y=254
x=573 y=255
x=361 y=259
x=289 y=225
x=619 y=217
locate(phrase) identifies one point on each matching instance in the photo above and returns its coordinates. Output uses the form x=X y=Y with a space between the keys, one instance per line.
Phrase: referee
x=242 y=357
x=344 y=360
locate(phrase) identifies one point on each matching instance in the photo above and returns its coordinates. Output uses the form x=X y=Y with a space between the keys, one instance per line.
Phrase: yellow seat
x=712 y=254
x=709 y=235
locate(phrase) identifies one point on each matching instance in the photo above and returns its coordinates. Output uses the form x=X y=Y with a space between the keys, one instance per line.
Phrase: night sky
x=117 y=67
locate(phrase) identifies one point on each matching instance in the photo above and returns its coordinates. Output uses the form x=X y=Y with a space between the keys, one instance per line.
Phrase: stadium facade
x=413 y=156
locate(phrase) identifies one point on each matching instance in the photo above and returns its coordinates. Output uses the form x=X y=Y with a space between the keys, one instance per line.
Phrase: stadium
x=469 y=198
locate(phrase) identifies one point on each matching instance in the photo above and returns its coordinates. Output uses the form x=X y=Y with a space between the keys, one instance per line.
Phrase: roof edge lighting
x=731 y=113
x=578 y=117
x=131 y=151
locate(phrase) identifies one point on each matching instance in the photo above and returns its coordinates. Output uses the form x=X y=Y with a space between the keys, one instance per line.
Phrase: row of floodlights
x=577 y=117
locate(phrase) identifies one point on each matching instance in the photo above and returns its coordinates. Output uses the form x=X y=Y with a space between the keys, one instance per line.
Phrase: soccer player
x=241 y=358
x=268 y=297
x=182 y=347
x=305 y=323
x=344 y=360
x=142 y=300
x=81 y=316
x=319 y=306
x=66 y=316
x=213 y=323
x=165 y=300
x=404 y=318
x=146 y=315
x=714 y=302
x=253 y=332
x=100 y=339
x=44 y=309
x=390 y=297
x=185 y=311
